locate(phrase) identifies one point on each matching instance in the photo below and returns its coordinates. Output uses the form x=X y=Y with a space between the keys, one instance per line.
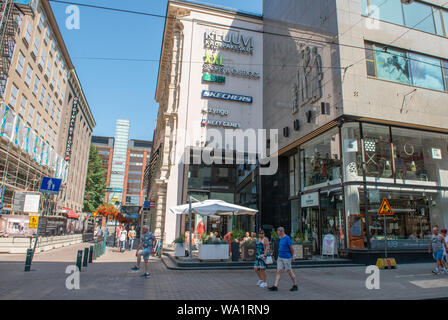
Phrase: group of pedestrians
x=284 y=261
x=439 y=248
x=125 y=237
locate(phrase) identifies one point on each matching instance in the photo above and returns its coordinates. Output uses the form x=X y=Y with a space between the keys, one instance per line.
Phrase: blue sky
x=123 y=89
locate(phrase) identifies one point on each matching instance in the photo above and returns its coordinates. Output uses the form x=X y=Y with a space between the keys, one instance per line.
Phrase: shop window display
x=321 y=159
x=408 y=228
x=419 y=155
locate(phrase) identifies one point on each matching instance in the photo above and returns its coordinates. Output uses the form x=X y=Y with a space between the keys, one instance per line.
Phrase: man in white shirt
x=123 y=237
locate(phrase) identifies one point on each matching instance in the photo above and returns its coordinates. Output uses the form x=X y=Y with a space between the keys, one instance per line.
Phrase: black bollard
x=79 y=259
x=86 y=257
x=29 y=257
x=91 y=254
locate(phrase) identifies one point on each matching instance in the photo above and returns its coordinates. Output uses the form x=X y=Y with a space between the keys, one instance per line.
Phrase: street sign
x=34 y=222
x=50 y=185
x=385 y=209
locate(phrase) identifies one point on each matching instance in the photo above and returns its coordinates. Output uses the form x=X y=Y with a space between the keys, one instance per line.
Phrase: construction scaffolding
x=11 y=16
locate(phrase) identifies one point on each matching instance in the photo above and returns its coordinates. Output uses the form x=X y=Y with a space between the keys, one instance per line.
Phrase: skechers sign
x=226 y=96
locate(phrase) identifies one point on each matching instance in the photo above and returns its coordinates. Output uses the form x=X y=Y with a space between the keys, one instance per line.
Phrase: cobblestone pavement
x=110 y=277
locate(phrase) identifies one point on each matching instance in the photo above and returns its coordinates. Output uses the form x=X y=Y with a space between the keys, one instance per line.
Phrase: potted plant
x=249 y=250
x=213 y=250
x=237 y=237
x=180 y=246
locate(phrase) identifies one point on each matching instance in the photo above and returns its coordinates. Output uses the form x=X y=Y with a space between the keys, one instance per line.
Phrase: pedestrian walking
x=445 y=254
x=438 y=246
x=147 y=242
x=131 y=236
x=123 y=238
x=285 y=259
x=262 y=246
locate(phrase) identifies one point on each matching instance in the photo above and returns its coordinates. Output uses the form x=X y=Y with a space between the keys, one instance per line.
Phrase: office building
x=46 y=123
x=359 y=99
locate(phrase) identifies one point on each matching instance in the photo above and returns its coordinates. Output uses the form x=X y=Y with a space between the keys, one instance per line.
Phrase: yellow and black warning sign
x=34 y=222
x=385 y=209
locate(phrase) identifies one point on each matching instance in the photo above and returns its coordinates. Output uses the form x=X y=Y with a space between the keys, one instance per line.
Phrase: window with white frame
x=47 y=105
x=23 y=107
x=38 y=117
x=58 y=89
x=20 y=63
x=47 y=36
x=43 y=57
x=40 y=26
x=58 y=116
x=53 y=110
x=44 y=129
x=48 y=72
x=42 y=95
x=62 y=94
x=31 y=115
x=36 y=47
x=29 y=32
x=53 y=80
x=36 y=86
x=14 y=94
x=29 y=75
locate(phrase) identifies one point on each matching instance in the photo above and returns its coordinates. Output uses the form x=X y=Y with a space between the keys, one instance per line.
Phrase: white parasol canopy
x=213 y=208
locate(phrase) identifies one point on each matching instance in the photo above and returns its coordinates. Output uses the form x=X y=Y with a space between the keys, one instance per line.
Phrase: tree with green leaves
x=96 y=182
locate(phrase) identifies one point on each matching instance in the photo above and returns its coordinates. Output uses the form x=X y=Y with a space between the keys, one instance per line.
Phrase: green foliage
x=181 y=239
x=299 y=237
x=216 y=241
x=237 y=235
x=95 y=182
x=251 y=243
x=274 y=235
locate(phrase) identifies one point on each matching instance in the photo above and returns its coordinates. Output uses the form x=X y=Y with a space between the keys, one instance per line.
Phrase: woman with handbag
x=262 y=258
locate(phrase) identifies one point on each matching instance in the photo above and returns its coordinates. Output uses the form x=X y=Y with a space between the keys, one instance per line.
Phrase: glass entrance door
x=310 y=227
x=333 y=217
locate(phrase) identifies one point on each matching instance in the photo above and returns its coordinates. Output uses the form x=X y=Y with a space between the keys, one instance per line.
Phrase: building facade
x=361 y=109
x=38 y=128
x=136 y=156
x=209 y=85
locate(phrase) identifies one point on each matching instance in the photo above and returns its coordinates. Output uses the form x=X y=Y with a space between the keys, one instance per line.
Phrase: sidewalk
x=110 y=277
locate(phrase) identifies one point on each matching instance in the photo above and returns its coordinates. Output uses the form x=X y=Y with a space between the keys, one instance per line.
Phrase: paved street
x=110 y=277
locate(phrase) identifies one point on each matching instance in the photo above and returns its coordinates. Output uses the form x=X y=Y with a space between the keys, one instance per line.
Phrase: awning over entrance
x=70 y=213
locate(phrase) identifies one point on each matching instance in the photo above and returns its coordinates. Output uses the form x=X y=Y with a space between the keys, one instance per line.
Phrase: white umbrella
x=211 y=208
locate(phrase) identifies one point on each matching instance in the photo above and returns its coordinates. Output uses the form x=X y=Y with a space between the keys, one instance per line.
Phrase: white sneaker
x=443 y=271
x=263 y=285
x=259 y=282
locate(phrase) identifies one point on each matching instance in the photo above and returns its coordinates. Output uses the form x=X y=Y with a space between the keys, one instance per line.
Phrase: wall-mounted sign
x=220 y=123
x=221 y=112
x=214 y=59
x=436 y=153
x=226 y=96
x=213 y=78
x=71 y=129
x=308 y=88
x=231 y=41
x=209 y=68
x=310 y=200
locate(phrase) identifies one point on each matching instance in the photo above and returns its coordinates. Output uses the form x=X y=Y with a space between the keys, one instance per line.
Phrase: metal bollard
x=29 y=255
x=79 y=259
x=91 y=254
x=86 y=257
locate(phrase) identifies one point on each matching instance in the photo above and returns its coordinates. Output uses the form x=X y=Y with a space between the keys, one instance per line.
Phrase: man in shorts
x=285 y=259
x=438 y=246
x=147 y=242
